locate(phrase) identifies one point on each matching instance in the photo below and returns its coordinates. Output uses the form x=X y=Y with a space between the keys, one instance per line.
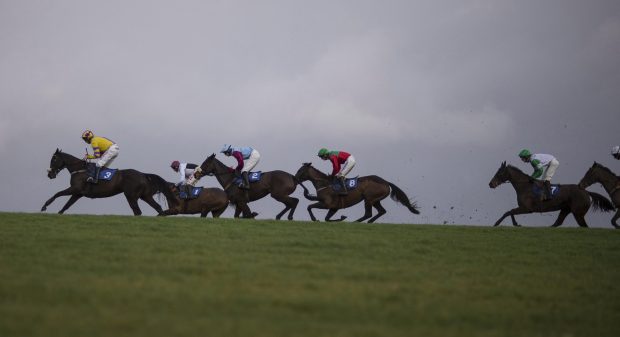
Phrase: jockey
x=104 y=152
x=544 y=166
x=247 y=158
x=615 y=152
x=186 y=172
x=337 y=159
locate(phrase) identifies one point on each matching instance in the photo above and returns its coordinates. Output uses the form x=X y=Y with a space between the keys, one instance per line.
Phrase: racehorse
x=611 y=183
x=212 y=200
x=370 y=189
x=134 y=184
x=278 y=184
x=569 y=198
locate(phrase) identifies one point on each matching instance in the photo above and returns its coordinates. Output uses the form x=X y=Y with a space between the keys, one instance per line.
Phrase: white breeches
x=108 y=156
x=550 y=171
x=346 y=167
x=251 y=162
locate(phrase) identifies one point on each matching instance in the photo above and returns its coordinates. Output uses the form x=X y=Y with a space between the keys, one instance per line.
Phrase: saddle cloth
x=252 y=177
x=539 y=190
x=351 y=184
x=193 y=194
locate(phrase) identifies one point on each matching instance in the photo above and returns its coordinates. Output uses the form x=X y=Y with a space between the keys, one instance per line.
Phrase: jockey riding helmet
x=87 y=135
x=525 y=153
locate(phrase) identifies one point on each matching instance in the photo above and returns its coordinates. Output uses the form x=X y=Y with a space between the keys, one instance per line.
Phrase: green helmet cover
x=323 y=152
x=525 y=153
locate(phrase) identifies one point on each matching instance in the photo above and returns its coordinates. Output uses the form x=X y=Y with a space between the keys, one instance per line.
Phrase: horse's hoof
x=342 y=217
x=43 y=209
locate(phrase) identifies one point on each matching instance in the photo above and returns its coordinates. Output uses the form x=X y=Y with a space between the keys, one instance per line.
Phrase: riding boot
x=344 y=186
x=95 y=178
x=547 y=188
x=245 y=184
x=188 y=190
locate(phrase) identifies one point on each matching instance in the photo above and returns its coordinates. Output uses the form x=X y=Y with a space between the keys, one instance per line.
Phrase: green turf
x=145 y=276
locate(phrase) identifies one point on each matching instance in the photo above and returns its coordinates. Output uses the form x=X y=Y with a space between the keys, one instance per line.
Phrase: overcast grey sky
x=431 y=95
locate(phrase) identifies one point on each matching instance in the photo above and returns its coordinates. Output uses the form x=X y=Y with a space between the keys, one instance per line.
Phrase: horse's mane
x=604 y=168
x=66 y=155
x=521 y=172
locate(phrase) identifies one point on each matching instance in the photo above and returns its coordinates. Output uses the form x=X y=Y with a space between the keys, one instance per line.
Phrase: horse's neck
x=317 y=178
x=223 y=176
x=72 y=163
x=608 y=180
x=519 y=180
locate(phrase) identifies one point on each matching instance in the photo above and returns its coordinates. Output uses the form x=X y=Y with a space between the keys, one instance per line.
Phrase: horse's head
x=56 y=164
x=592 y=176
x=501 y=176
x=303 y=173
x=207 y=168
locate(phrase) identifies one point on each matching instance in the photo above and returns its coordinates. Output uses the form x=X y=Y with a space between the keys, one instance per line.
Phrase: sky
x=430 y=95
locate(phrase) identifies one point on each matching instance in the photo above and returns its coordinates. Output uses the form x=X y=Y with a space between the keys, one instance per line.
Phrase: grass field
x=144 y=276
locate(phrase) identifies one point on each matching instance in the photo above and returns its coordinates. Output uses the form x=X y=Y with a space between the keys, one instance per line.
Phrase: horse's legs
x=330 y=213
x=367 y=211
x=245 y=209
x=581 y=221
x=133 y=203
x=512 y=213
x=315 y=205
x=380 y=209
x=149 y=200
x=59 y=194
x=613 y=220
x=70 y=202
x=204 y=213
x=217 y=212
x=290 y=203
x=563 y=213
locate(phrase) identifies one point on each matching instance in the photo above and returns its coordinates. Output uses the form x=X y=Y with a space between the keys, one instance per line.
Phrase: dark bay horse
x=210 y=200
x=370 y=189
x=278 y=184
x=569 y=198
x=611 y=183
x=134 y=184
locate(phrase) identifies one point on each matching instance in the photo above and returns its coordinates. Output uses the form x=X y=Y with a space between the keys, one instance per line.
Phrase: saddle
x=104 y=173
x=538 y=190
x=193 y=192
x=252 y=177
x=351 y=184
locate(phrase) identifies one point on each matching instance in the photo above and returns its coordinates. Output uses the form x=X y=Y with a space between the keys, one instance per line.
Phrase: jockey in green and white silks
x=544 y=166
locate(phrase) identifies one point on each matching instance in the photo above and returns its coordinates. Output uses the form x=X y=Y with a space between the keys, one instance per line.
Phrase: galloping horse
x=279 y=184
x=213 y=200
x=569 y=198
x=134 y=184
x=371 y=189
x=611 y=183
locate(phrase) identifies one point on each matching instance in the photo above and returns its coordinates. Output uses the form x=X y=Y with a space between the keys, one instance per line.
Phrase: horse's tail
x=399 y=196
x=159 y=184
x=600 y=203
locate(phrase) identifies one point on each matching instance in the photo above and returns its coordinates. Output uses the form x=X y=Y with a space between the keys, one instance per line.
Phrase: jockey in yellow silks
x=104 y=152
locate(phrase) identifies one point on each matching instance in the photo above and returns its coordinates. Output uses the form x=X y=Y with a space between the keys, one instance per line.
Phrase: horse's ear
x=307 y=164
x=504 y=164
x=57 y=150
x=212 y=155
